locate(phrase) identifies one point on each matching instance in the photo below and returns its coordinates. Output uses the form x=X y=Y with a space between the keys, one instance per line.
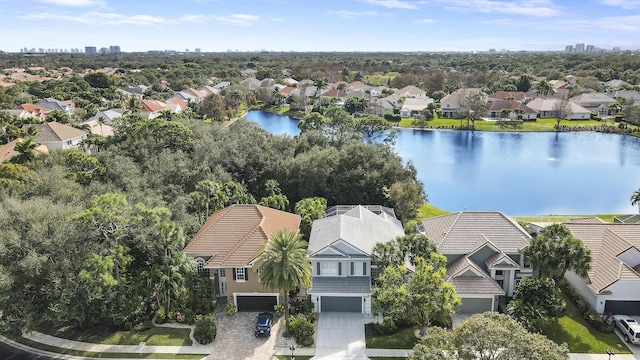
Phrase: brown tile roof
x=468 y=278
x=152 y=105
x=462 y=232
x=183 y=104
x=236 y=235
x=54 y=131
x=587 y=220
x=498 y=105
x=334 y=93
x=607 y=241
x=7 y=151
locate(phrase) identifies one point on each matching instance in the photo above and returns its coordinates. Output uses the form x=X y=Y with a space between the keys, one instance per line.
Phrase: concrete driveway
x=236 y=338
x=340 y=336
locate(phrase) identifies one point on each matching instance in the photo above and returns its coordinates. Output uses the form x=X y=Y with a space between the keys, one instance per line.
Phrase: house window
x=241 y=275
x=222 y=272
x=329 y=268
x=499 y=272
x=68 y=142
x=200 y=265
x=357 y=268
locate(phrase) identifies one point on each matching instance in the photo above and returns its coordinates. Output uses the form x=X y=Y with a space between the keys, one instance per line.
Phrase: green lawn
x=403 y=339
x=545 y=124
x=580 y=337
x=562 y=218
x=154 y=336
x=429 y=211
x=99 y=355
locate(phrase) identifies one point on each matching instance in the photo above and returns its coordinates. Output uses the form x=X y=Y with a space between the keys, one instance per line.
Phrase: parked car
x=263 y=324
x=629 y=328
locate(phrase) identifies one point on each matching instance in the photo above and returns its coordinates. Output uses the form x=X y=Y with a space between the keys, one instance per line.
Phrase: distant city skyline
x=328 y=25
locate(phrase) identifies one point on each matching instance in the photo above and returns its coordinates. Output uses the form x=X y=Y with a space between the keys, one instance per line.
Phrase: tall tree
x=285 y=266
x=320 y=83
x=26 y=151
x=417 y=296
x=555 y=251
x=310 y=209
x=407 y=197
x=535 y=301
x=275 y=198
x=544 y=88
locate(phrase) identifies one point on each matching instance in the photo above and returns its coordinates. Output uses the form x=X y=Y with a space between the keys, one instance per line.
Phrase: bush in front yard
x=205 y=330
x=387 y=326
x=301 y=329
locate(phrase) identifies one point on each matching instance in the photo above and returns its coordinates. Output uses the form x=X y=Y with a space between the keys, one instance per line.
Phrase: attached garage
x=256 y=303
x=341 y=304
x=622 y=307
x=475 y=305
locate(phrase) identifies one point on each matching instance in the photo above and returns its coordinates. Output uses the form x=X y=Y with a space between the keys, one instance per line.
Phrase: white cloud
x=77 y=3
x=392 y=4
x=239 y=19
x=346 y=14
x=625 y=4
x=425 y=21
x=538 y=8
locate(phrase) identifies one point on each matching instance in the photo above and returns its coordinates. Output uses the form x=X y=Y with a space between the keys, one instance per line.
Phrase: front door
x=222 y=280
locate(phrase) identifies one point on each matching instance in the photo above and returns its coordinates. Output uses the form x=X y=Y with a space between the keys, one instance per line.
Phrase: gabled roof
x=416 y=104
x=606 y=241
x=334 y=93
x=410 y=90
x=589 y=98
x=504 y=95
x=459 y=233
x=54 y=131
x=7 y=151
x=53 y=104
x=469 y=278
x=499 y=105
x=152 y=105
x=251 y=83
x=359 y=227
x=551 y=105
x=501 y=261
x=236 y=235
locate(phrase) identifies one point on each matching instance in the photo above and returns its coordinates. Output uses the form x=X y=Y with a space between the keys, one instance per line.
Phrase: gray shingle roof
x=359 y=227
x=459 y=272
x=342 y=285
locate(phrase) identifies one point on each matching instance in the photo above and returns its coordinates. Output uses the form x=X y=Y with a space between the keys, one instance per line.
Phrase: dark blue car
x=263 y=324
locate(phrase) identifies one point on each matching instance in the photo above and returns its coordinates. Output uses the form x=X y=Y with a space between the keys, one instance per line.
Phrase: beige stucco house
x=228 y=247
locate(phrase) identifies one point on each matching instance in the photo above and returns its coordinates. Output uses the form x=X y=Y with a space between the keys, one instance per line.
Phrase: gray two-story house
x=340 y=247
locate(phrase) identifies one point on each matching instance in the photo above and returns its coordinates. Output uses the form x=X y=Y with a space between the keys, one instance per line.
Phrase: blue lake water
x=516 y=173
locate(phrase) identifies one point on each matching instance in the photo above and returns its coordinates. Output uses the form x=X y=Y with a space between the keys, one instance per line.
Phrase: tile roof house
x=484 y=253
x=334 y=93
x=613 y=283
x=520 y=96
x=412 y=107
x=108 y=116
x=548 y=108
x=7 y=151
x=134 y=91
x=452 y=104
x=597 y=103
x=340 y=247
x=30 y=110
x=495 y=108
x=56 y=136
x=250 y=83
x=228 y=246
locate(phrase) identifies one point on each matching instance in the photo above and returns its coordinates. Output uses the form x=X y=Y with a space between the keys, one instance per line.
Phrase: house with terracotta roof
x=484 y=251
x=340 y=247
x=30 y=110
x=228 y=247
x=56 y=136
x=520 y=96
x=613 y=283
x=334 y=93
x=8 y=152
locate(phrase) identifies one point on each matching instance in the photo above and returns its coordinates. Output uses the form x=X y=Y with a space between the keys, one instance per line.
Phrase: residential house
x=334 y=93
x=548 y=108
x=613 y=283
x=627 y=219
x=8 y=152
x=221 y=85
x=560 y=89
x=484 y=253
x=453 y=105
x=250 y=83
x=340 y=247
x=136 y=92
x=99 y=128
x=53 y=104
x=289 y=91
x=519 y=96
x=631 y=96
x=597 y=103
x=290 y=82
x=30 y=111
x=228 y=248
x=413 y=107
x=56 y=136
x=617 y=84
x=409 y=91
x=514 y=109
x=377 y=91
x=357 y=86
x=107 y=116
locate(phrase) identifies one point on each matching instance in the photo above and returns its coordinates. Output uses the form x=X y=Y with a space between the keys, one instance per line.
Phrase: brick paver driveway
x=236 y=339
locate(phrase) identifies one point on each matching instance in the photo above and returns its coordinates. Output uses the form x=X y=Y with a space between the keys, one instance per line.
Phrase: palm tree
x=544 y=88
x=320 y=83
x=635 y=199
x=285 y=266
x=26 y=148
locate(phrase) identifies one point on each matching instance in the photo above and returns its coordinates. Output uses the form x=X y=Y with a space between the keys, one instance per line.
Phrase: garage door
x=474 y=305
x=622 y=307
x=340 y=304
x=256 y=303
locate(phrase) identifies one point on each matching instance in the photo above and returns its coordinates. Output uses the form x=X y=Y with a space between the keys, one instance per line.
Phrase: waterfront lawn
x=402 y=339
x=102 y=335
x=573 y=330
x=544 y=124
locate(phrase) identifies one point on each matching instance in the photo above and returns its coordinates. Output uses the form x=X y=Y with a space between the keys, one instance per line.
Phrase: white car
x=629 y=328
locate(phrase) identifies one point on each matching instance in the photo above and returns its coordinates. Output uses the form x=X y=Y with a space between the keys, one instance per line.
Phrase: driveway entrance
x=340 y=336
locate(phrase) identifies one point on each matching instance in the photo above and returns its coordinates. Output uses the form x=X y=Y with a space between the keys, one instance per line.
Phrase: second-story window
x=329 y=269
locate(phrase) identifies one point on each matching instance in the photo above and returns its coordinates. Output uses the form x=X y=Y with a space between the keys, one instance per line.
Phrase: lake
x=516 y=173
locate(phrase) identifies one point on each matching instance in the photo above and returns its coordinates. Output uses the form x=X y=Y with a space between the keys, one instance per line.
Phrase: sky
x=319 y=25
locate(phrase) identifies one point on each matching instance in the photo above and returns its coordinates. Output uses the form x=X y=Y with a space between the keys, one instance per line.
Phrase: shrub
x=301 y=329
x=230 y=309
x=312 y=317
x=189 y=316
x=205 y=330
x=306 y=307
x=161 y=317
x=278 y=309
x=597 y=322
x=387 y=326
x=142 y=326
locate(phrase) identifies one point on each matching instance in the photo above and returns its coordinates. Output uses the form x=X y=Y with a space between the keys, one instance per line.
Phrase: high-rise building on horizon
x=114 y=49
x=90 y=50
x=591 y=49
x=579 y=48
x=568 y=48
